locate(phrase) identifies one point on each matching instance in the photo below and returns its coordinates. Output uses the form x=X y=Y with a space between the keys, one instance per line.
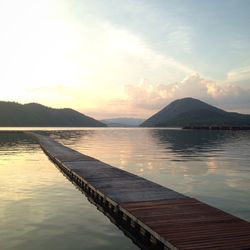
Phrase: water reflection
x=213 y=166
x=40 y=209
x=187 y=143
x=16 y=141
x=195 y=142
x=72 y=137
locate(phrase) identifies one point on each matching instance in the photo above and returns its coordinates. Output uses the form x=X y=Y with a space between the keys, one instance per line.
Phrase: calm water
x=41 y=209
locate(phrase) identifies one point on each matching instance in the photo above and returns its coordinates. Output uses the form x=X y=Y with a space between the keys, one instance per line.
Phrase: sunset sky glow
x=113 y=58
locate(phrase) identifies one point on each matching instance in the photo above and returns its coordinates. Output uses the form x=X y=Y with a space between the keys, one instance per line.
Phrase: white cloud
x=50 y=56
x=227 y=95
x=91 y=61
x=240 y=76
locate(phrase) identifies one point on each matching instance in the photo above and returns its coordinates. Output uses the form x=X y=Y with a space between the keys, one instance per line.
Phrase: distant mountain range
x=180 y=113
x=123 y=122
x=36 y=115
x=193 y=112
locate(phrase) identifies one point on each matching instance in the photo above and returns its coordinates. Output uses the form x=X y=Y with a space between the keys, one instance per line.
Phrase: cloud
x=89 y=66
x=240 y=76
x=91 y=57
x=225 y=94
x=180 y=39
x=91 y=63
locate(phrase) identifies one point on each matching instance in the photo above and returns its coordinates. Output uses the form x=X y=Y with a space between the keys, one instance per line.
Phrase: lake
x=41 y=209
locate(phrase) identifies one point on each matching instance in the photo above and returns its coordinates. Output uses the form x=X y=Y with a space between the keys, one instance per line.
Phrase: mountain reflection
x=16 y=141
x=210 y=165
x=187 y=141
x=71 y=136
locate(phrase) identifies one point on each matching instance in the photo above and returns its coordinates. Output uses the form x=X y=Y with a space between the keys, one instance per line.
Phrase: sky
x=125 y=58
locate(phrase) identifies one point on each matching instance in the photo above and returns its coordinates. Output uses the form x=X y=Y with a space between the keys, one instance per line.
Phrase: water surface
x=213 y=166
x=41 y=209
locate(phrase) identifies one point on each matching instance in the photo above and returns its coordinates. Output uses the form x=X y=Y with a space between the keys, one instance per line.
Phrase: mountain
x=13 y=114
x=123 y=122
x=193 y=112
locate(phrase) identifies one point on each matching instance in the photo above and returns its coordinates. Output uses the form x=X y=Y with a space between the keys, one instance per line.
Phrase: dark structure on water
x=218 y=127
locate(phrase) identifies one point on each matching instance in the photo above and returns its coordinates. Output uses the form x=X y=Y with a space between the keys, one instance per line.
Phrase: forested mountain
x=193 y=112
x=13 y=114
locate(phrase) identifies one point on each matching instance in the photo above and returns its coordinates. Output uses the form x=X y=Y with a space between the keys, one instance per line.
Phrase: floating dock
x=153 y=216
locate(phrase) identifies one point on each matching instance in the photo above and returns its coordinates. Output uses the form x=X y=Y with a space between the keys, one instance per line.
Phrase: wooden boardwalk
x=155 y=217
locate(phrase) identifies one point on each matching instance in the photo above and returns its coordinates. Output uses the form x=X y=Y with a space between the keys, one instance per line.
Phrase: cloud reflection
x=210 y=165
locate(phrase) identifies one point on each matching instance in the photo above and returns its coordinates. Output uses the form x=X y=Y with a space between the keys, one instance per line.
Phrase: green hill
x=13 y=114
x=193 y=112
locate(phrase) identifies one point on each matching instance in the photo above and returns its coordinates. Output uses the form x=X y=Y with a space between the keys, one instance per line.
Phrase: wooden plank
x=175 y=220
x=190 y=223
x=59 y=151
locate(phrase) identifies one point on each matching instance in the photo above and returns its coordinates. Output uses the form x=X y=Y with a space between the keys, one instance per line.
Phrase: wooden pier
x=155 y=217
